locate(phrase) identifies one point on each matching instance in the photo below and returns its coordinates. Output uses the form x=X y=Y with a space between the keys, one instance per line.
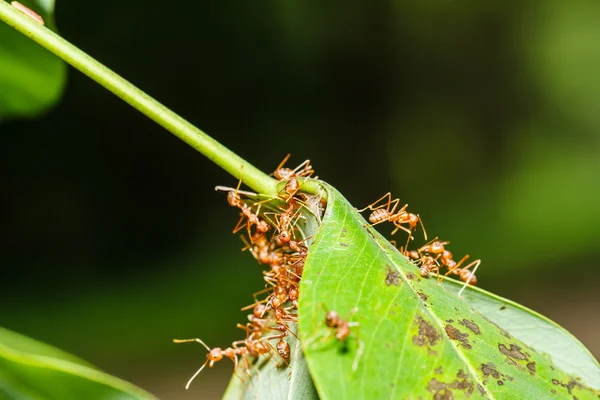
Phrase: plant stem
x=219 y=154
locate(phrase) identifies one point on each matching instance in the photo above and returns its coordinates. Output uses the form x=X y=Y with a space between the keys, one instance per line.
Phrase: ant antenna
x=187 y=386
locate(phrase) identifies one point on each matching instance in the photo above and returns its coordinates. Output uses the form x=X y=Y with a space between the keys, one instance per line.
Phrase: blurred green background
x=483 y=116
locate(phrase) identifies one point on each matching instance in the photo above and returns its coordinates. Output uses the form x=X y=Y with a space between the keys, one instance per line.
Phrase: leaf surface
x=31 y=78
x=418 y=339
x=34 y=370
x=535 y=330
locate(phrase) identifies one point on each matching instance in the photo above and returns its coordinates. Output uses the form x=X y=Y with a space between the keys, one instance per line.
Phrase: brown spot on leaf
x=531 y=367
x=427 y=333
x=457 y=335
x=344 y=244
x=411 y=276
x=432 y=352
x=422 y=295
x=500 y=383
x=471 y=325
x=503 y=308
x=434 y=385
x=570 y=386
x=490 y=369
x=555 y=381
x=553 y=391
x=513 y=352
x=450 y=320
x=439 y=371
x=392 y=277
x=462 y=374
x=480 y=388
x=439 y=389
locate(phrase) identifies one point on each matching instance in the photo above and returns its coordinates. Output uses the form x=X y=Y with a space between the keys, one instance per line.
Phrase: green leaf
x=31 y=78
x=33 y=370
x=535 y=330
x=417 y=338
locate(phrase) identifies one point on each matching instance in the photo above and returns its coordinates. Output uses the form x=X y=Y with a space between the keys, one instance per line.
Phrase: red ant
x=285 y=222
x=234 y=200
x=389 y=213
x=301 y=170
x=292 y=186
x=341 y=329
x=216 y=354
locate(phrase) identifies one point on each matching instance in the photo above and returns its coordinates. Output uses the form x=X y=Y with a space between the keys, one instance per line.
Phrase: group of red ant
x=433 y=255
x=274 y=317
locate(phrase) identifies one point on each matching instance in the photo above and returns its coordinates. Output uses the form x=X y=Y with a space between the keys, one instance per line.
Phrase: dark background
x=481 y=115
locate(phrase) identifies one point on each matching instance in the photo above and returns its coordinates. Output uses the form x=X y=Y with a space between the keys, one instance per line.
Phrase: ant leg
x=270 y=221
x=457 y=266
x=288 y=330
x=398 y=225
x=235 y=368
x=282 y=163
x=240 y=225
x=360 y=344
x=388 y=204
x=276 y=352
x=301 y=166
x=476 y=263
x=422 y=227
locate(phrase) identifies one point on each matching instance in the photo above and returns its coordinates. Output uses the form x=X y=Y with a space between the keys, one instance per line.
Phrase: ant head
x=292 y=186
x=436 y=247
x=233 y=199
x=259 y=310
x=413 y=220
x=293 y=293
x=332 y=319
x=284 y=173
x=215 y=355
x=262 y=226
x=285 y=236
x=413 y=254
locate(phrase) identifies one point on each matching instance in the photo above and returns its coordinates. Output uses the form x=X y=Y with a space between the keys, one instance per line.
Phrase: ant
x=285 y=222
x=341 y=329
x=216 y=354
x=234 y=200
x=465 y=274
x=292 y=186
x=304 y=169
x=380 y=214
x=283 y=348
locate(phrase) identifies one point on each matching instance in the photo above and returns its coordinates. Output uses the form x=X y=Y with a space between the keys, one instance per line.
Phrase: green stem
x=219 y=154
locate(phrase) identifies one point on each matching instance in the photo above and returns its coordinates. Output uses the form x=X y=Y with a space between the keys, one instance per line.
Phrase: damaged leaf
x=409 y=336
